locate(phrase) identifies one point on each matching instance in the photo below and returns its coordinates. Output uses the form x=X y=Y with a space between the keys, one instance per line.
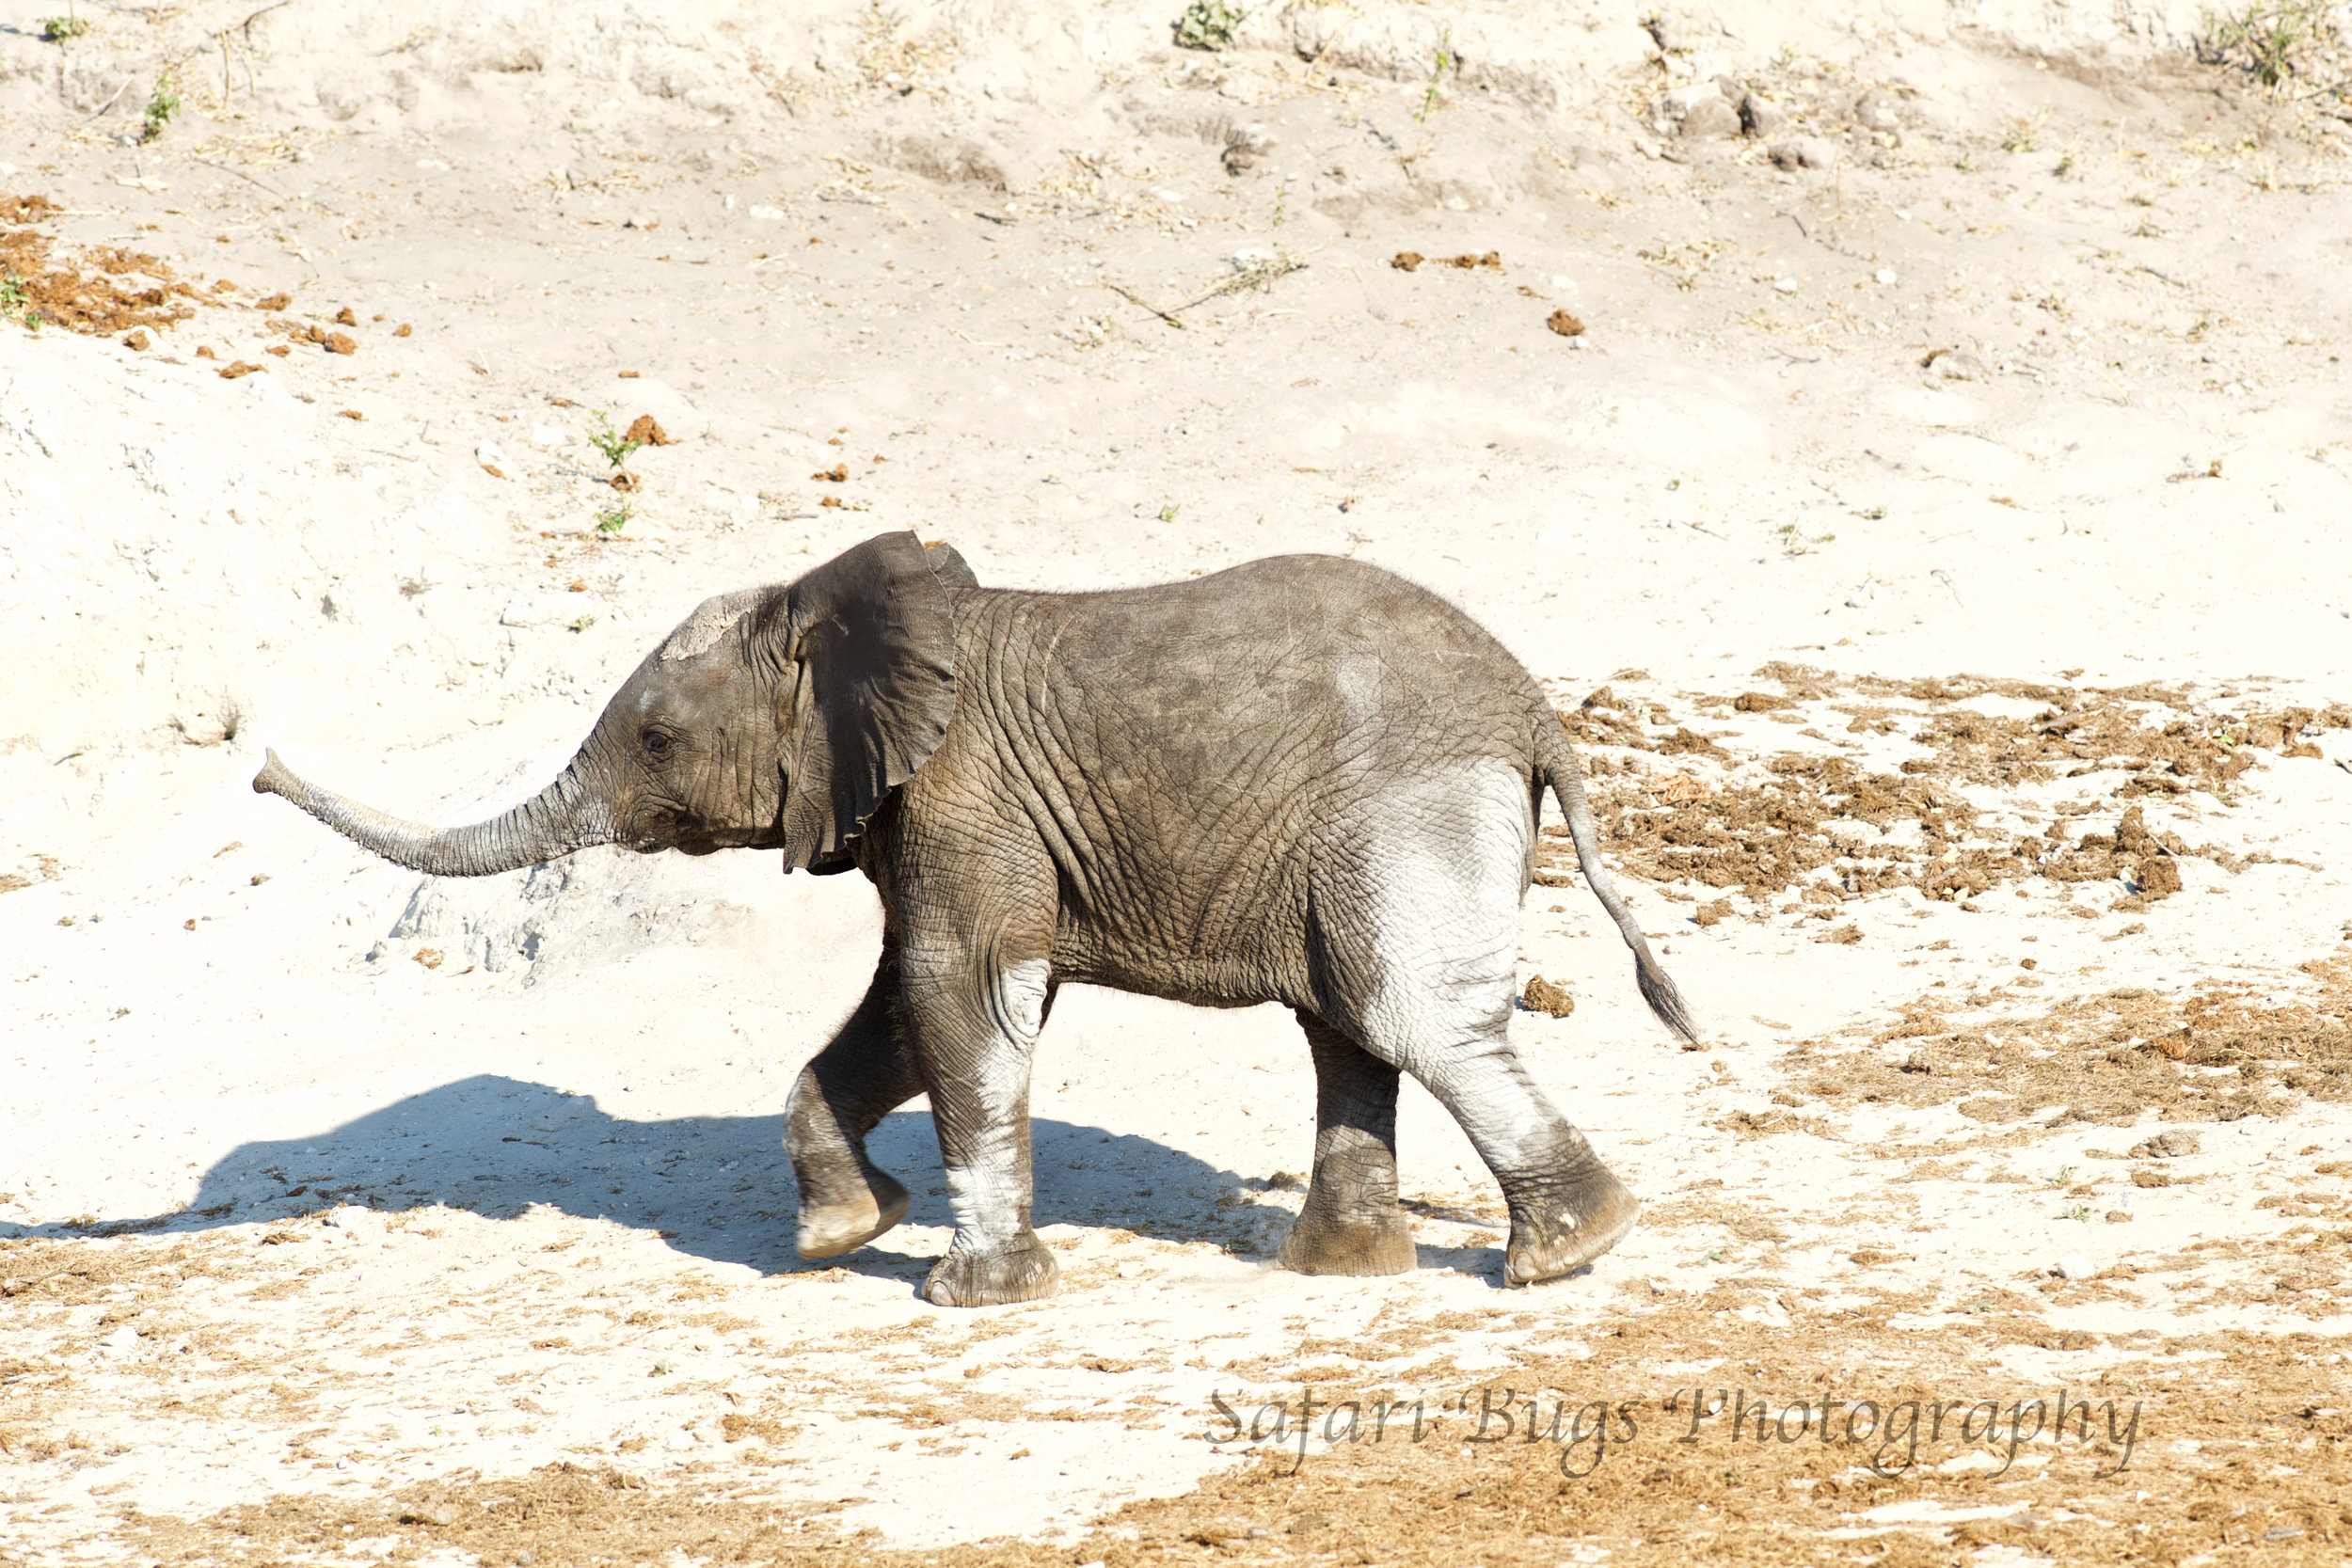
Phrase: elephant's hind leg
x=1419 y=966
x=863 y=1074
x=1350 y=1224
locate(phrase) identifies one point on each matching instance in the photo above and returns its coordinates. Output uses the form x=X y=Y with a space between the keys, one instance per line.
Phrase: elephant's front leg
x=863 y=1074
x=1350 y=1224
x=973 y=1031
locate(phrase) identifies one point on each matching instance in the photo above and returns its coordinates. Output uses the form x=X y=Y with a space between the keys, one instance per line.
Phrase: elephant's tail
x=1557 y=764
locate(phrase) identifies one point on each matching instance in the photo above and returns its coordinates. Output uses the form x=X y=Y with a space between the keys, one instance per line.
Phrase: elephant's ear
x=948 y=566
x=873 y=689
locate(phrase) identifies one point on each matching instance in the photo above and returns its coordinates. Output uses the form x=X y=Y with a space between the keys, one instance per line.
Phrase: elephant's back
x=1317 y=646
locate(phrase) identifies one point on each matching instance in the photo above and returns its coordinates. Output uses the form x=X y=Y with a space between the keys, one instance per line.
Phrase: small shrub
x=2265 y=42
x=162 y=106
x=56 y=30
x=1209 y=25
x=615 y=447
x=1443 y=62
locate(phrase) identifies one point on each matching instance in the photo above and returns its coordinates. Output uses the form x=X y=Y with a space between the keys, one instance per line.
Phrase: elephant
x=1302 y=779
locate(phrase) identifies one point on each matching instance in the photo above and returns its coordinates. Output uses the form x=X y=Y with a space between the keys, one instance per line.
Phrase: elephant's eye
x=658 y=742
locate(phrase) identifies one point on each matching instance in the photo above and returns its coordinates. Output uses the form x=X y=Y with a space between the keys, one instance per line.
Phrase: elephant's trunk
x=560 y=819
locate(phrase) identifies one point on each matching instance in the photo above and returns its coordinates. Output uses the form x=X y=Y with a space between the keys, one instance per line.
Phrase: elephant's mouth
x=653 y=830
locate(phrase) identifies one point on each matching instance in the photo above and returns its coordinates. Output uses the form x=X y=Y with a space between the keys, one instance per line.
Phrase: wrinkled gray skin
x=1301 y=781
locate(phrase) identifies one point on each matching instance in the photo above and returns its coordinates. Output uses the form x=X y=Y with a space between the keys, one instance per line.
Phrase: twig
x=1256 y=277
x=257 y=16
x=109 y=103
x=231 y=168
x=1146 y=304
x=978 y=344
x=2153 y=273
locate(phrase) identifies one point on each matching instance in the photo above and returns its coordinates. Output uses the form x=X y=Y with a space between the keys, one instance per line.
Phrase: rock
x=489 y=454
x=1875 y=111
x=1710 y=119
x=355 y=1223
x=1803 y=152
x=1884 y=276
x=431 y=1510
x=2076 y=1266
x=2171 y=1144
x=1542 y=996
x=1956 y=364
x=1673 y=35
x=1760 y=116
x=120 y=1340
x=1245 y=145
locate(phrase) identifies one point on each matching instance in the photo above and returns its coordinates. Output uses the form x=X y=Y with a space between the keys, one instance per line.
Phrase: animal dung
x=1565 y=323
x=402 y=330
x=345 y=317
x=625 y=482
x=647 y=431
x=236 y=368
x=1412 y=261
x=136 y=340
x=1542 y=996
x=838 y=474
x=273 y=302
x=340 y=342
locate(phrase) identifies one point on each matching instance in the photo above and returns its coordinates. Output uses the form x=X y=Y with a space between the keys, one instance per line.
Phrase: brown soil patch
x=103 y=290
x=2218 y=1053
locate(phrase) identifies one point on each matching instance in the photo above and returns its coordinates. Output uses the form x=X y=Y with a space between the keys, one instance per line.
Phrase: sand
x=1935 y=478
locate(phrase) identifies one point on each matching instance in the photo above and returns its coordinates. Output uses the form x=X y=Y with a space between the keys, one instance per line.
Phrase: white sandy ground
x=558 y=1220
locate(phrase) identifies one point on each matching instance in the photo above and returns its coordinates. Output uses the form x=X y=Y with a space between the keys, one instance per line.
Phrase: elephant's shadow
x=715 y=1187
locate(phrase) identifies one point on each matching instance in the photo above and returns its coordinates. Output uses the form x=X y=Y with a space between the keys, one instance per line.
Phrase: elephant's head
x=773 y=717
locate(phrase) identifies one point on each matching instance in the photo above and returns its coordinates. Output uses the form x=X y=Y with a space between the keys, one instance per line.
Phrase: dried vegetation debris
x=2220 y=1054
x=1759 y=836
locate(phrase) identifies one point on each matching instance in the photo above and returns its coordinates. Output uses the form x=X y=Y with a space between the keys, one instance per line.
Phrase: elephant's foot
x=1565 y=1230
x=829 y=1230
x=1023 y=1271
x=1358 y=1245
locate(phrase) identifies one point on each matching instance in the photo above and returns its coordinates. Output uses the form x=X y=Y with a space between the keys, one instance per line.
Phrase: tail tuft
x=1657 y=990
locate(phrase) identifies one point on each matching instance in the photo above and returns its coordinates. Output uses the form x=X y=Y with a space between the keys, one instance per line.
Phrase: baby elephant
x=1301 y=781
